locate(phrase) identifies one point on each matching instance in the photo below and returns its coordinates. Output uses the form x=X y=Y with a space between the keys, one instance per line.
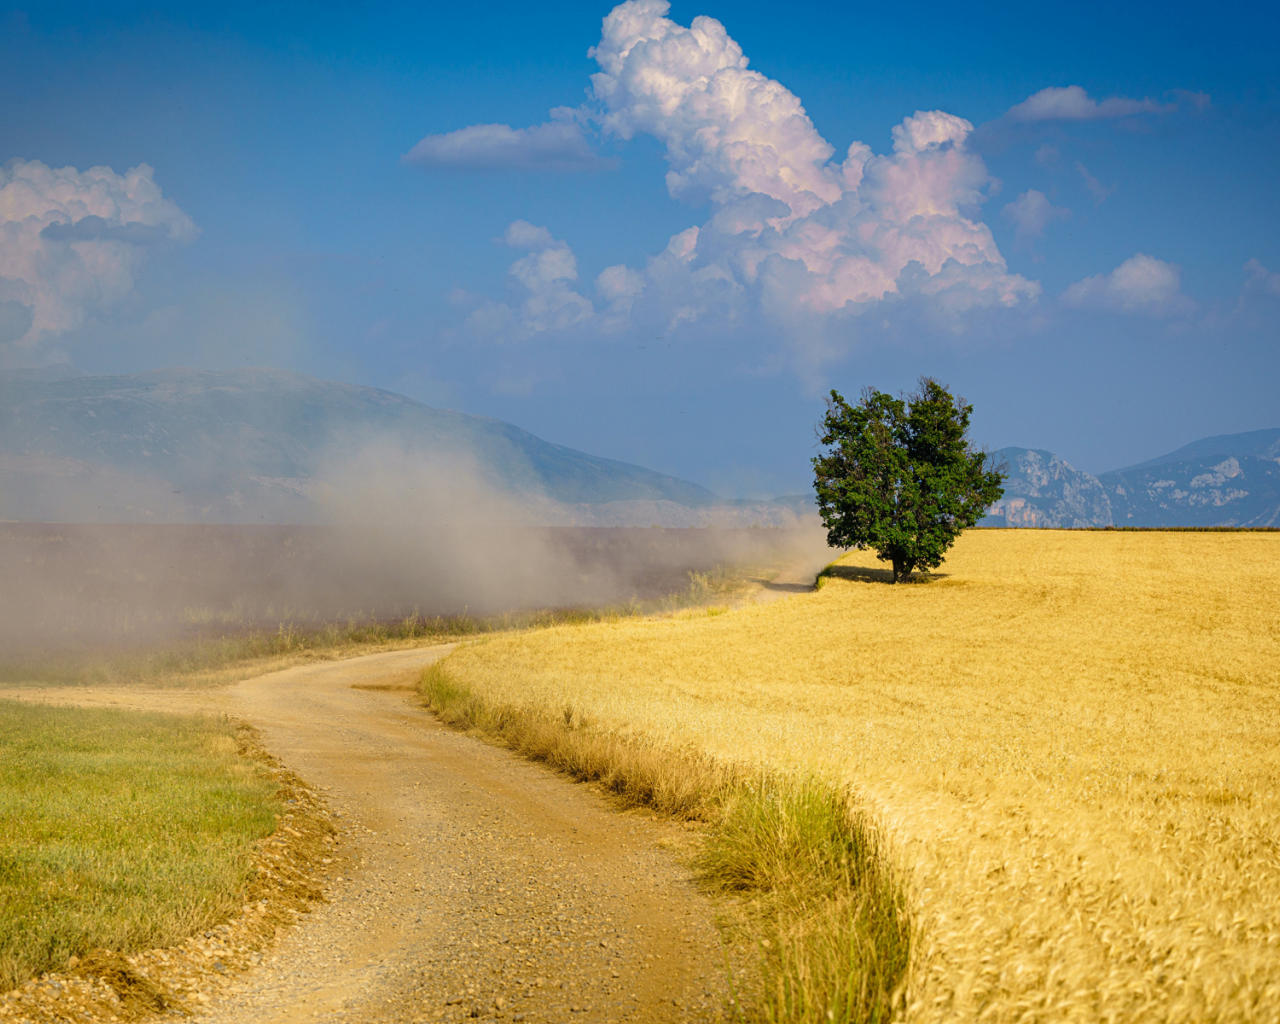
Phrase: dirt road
x=477 y=884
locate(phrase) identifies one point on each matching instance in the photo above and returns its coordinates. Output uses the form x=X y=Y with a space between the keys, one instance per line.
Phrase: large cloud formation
x=794 y=232
x=71 y=242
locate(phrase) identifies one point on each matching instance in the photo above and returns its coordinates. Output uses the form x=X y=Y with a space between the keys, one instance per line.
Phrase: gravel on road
x=465 y=883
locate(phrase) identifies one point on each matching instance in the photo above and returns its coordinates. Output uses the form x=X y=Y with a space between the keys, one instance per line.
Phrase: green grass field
x=123 y=830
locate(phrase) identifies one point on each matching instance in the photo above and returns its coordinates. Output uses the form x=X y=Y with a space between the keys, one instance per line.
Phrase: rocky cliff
x=1044 y=490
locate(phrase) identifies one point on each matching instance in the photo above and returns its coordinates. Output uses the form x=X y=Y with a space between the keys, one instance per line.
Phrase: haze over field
x=73 y=589
x=596 y=267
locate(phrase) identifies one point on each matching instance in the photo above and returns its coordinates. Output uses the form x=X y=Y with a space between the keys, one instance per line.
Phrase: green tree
x=901 y=476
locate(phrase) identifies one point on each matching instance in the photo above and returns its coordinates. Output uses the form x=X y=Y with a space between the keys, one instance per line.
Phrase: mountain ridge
x=1263 y=444
x=228 y=440
x=1224 y=480
x=261 y=445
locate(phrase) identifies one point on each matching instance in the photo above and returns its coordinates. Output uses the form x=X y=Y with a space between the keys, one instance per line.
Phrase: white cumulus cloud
x=1259 y=277
x=557 y=145
x=1032 y=212
x=1141 y=284
x=71 y=242
x=793 y=231
x=1073 y=103
x=840 y=233
x=728 y=131
x=544 y=279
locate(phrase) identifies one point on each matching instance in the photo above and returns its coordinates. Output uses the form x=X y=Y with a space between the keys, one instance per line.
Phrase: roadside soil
x=798 y=576
x=465 y=883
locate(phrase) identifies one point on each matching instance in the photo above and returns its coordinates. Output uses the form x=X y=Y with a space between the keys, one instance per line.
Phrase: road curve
x=477 y=885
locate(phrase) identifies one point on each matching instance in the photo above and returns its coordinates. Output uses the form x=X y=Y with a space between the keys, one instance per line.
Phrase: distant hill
x=1259 y=444
x=247 y=446
x=1228 y=480
x=259 y=445
x=1045 y=491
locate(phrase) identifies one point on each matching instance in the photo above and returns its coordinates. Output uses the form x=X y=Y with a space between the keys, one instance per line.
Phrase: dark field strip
x=86 y=587
x=1137 y=529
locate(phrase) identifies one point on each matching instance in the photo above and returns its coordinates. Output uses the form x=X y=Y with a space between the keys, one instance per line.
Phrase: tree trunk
x=901 y=569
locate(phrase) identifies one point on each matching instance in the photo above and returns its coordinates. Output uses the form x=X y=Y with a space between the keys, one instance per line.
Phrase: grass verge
x=121 y=830
x=819 y=899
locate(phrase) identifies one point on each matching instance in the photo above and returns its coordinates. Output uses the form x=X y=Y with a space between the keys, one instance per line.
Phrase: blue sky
x=1079 y=228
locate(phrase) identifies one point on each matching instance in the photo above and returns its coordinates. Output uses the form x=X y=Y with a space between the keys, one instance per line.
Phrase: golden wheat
x=1071 y=741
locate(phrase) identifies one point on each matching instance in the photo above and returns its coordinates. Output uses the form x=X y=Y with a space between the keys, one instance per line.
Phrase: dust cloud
x=405 y=535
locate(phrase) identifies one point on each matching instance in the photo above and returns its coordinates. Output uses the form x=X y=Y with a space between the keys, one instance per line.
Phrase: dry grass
x=824 y=907
x=817 y=897
x=635 y=772
x=1071 y=742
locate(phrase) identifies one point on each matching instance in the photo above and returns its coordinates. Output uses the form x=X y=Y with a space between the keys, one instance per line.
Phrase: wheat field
x=1069 y=741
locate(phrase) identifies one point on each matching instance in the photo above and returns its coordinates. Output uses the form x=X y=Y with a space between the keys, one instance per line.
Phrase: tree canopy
x=901 y=476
